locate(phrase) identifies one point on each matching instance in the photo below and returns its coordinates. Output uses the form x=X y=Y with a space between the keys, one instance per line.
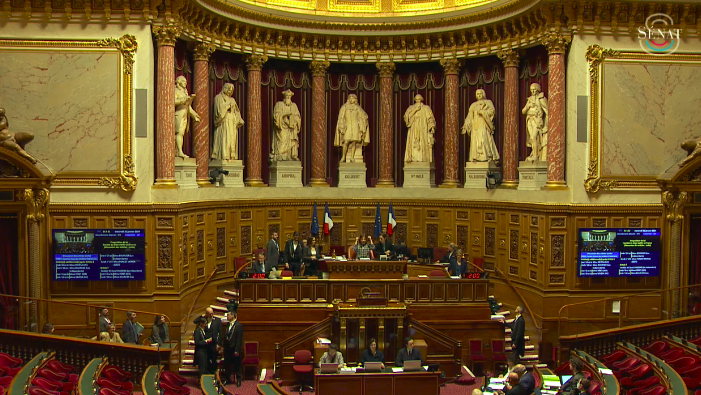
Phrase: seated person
x=310 y=255
x=570 y=386
x=525 y=378
x=384 y=246
x=48 y=329
x=362 y=247
x=513 y=387
x=408 y=353
x=258 y=266
x=111 y=336
x=159 y=331
x=332 y=356
x=372 y=354
x=451 y=258
x=510 y=363
x=583 y=386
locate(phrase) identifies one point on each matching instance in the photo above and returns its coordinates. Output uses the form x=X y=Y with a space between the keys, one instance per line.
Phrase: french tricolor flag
x=391 y=223
x=328 y=223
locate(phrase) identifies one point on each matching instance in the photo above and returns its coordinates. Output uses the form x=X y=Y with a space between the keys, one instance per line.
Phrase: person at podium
x=408 y=353
x=362 y=247
x=372 y=354
x=311 y=253
x=451 y=258
x=332 y=356
x=293 y=253
x=384 y=246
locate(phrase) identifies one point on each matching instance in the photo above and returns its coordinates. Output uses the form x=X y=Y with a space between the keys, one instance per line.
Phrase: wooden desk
x=416 y=269
x=366 y=269
x=424 y=383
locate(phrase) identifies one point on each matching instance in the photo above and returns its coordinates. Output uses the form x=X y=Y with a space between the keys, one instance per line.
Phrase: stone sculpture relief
x=536 y=111
x=183 y=113
x=479 y=125
x=227 y=121
x=286 y=125
x=352 y=130
x=422 y=126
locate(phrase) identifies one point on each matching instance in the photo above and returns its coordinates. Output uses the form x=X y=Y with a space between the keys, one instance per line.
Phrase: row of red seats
x=114 y=381
x=635 y=376
x=55 y=378
x=172 y=384
x=595 y=385
x=9 y=366
x=686 y=364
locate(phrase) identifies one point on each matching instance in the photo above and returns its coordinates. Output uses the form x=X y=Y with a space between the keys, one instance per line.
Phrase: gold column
x=386 y=148
x=36 y=200
x=674 y=205
x=381 y=334
x=319 y=144
x=201 y=106
x=451 y=69
x=254 y=178
x=509 y=149
x=342 y=338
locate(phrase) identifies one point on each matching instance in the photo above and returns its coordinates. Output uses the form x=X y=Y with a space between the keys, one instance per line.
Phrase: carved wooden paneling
x=438 y=294
x=513 y=270
x=410 y=292
x=400 y=232
x=557 y=222
x=246 y=214
x=336 y=212
x=514 y=219
x=487 y=265
x=273 y=228
x=80 y=222
x=513 y=244
x=262 y=291
x=534 y=247
x=432 y=214
x=291 y=293
x=164 y=222
x=394 y=292
x=184 y=255
x=490 y=216
x=164 y=281
x=221 y=217
x=557 y=279
x=489 y=240
x=247 y=292
x=303 y=213
x=635 y=222
x=184 y=220
x=367 y=229
x=304 y=230
x=467 y=292
x=432 y=235
x=246 y=239
x=452 y=292
x=306 y=293
x=336 y=234
x=400 y=213
x=462 y=215
x=533 y=275
x=462 y=232
x=481 y=291
x=534 y=220
x=557 y=250
x=186 y=276
x=221 y=242
x=424 y=292
x=273 y=214
x=337 y=292
x=200 y=272
x=368 y=212
x=598 y=222
x=199 y=240
x=165 y=251
x=200 y=218
x=221 y=267
x=320 y=292
x=120 y=222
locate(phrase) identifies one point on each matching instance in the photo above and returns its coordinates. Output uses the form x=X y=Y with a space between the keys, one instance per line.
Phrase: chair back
x=286 y=273
x=437 y=273
x=475 y=347
x=256 y=251
x=339 y=250
x=439 y=253
x=351 y=253
x=497 y=346
x=302 y=357
x=250 y=349
x=239 y=263
x=479 y=262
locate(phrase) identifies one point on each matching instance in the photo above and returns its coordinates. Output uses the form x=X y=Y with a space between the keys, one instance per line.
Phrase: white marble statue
x=286 y=124
x=479 y=125
x=422 y=126
x=536 y=110
x=183 y=113
x=352 y=130
x=227 y=121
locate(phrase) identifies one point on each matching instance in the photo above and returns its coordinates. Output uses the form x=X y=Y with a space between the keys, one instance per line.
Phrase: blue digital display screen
x=98 y=254
x=618 y=252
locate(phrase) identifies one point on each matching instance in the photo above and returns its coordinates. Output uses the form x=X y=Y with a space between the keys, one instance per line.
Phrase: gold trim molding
x=597 y=57
x=123 y=177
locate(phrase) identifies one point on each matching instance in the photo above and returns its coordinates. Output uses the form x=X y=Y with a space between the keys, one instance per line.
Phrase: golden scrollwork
x=36 y=200
x=255 y=62
x=555 y=42
x=509 y=57
x=126 y=181
x=126 y=45
x=202 y=51
x=595 y=55
x=319 y=67
x=674 y=204
x=451 y=66
x=385 y=69
x=166 y=34
x=593 y=183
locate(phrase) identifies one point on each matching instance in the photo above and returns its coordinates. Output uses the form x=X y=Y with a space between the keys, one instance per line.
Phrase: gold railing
x=183 y=326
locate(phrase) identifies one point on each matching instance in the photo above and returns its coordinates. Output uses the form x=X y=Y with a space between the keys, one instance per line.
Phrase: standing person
x=362 y=247
x=130 y=329
x=213 y=329
x=311 y=254
x=372 y=354
x=203 y=340
x=233 y=339
x=294 y=253
x=451 y=258
x=518 y=330
x=272 y=253
x=422 y=126
x=159 y=331
x=227 y=121
x=479 y=125
x=103 y=319
x=408 y=353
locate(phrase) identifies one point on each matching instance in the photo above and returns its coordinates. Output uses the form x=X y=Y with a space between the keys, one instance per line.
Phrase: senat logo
x=658 y=37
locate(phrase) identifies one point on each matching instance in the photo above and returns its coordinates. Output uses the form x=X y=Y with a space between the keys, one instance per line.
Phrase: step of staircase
x=232 y=292
x=528 y=347
x=508 y=339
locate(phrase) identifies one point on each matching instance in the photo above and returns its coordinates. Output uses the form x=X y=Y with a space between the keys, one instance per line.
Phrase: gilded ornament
x=203 y=51
x=166 y=35
x=318 y=68
x=255 y=62
x=36 y=200
x=451 y=66
x=509 y=57
x=555 y=42
x=386 y=69
x=595 y=55
x=126 y=45
x=674 y=203
x=126 y=181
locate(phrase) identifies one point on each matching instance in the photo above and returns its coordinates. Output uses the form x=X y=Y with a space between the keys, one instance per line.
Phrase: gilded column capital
x=674 y=203
x=555 y=42
x=202 y=51
x=509 y=57
x=36 y=200
x=451 y=66
x=255 y=62
x=318 y=67
x=166 y=35
x=386 y=69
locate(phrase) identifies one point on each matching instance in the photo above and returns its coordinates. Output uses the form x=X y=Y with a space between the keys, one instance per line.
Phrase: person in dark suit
x=103 y=319
x=583 y=386
x=130 y=332
x=372 y=354
x=202 y=346
x=526 y=379
x=408 y=353
x=570 y=386
x=513 y=387
x=311 y=253
x=159 y=331
x=451 y=258
x=258 y=265
x=294 y=253
x=213 y=329
x=518 y=331
x=384 y=246
x=272 y=253
x=233 y=340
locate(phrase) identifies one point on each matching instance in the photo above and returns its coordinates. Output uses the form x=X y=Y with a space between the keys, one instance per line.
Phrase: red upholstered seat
x=694 y=372
x=7 y=371
x=657 y=347
x=640 y=372
x=691 y=383
x=9 y=361
x=57 y=366
x=250 y=356
x=116 y=385
x=303 y=366
x=53 y=385
x=629 y=382
x=172 y=378
x=587 y=374
x=110 y=391
x=595 y=387
x=5 y=381
x=42 y=391
x=626 y=363
x=115 y=374
x=286 y=273
x=672 y=354
x=608 y=359
x=339 y=250
x=656 y=390
x=683 y=363
x=564 y=369
x=179 y=390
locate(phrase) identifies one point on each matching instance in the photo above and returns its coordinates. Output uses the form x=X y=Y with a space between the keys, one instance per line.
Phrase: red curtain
x=8 y=271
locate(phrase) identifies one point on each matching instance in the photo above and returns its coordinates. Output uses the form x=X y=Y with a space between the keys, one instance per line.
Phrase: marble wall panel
x=647 y=110
x=69 y=100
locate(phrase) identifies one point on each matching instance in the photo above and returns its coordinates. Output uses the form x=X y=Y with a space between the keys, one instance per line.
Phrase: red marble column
x=318 y=68
x=386 y=148
x=201 y=106
x=451 y=69
x=165 y=37
x=509 y=149
x=254 y=63
x=556 y=45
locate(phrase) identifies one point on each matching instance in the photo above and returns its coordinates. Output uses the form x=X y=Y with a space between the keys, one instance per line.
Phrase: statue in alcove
x=352 y=130
x=422 y=126
x=227 y=121
x=536 y=111
x=183 y=113
x=479 y=125
x=287 y=122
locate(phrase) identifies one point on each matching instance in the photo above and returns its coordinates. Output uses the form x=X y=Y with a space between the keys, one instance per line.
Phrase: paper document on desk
x=422 y=276
x=605 y=371
x=395 y=370
x=347 y=370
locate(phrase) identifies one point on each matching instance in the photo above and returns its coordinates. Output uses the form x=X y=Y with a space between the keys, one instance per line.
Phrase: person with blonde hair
x=111 y=336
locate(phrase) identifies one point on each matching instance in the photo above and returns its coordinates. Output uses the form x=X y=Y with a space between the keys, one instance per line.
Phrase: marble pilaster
x=165 y=37
x=201 y=106
x=254 y=63
x=556 y=44
x=318 y=68
x=509 y=150
x=451 y=69
x=385 y=148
